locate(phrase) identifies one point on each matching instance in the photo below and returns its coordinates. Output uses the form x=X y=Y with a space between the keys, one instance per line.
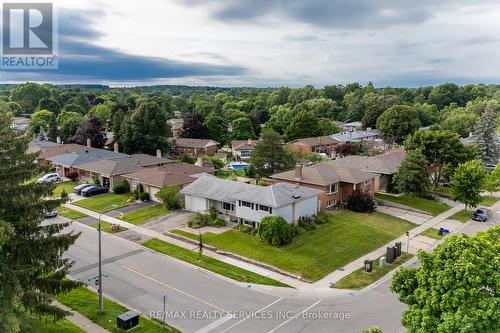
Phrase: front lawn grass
x=462 y=216
x=86 y=302
x=488 y=200
x=145 y=214
x=61 y=326
x=360 y=279
x=432 y=207
x=66 y=186
x=211 y=264
x=106 y=227
x=69 y=213
x=432 y=233
x=103 y=202
x=314 y=254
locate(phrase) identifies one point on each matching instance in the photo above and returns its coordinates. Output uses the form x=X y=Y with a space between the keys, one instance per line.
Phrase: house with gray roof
x=247 y=203
x=357 y=136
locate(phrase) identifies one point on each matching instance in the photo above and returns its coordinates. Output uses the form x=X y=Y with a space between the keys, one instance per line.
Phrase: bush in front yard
x=122 y=187
x=72 y=175
x=361 y=202
x=144 y=196
x=275 y=230
x=170 y=197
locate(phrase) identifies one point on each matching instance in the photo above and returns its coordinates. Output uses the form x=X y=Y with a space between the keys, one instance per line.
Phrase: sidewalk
x=81 y=321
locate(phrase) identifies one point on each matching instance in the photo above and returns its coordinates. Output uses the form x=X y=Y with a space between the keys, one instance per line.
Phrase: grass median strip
x=360 y=279
x=432 y=233
x=60 y=326
x=432 y=207
x=462 y=216
x=488 y=200
x=103 y=202
x=142 y=215
x=211 y=264
x=86 y=302
x=108 y=227
x=69 y=213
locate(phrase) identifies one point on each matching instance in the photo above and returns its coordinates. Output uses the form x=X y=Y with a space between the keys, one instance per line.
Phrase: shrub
x=199 y=220
x=187 y=159
x=144 y=196
x=170 y=197
x=217 y=162
x=275 y=230
x=250 y=171
x=322 y=218
x=307 y=222
x=246 y=229
x=64 y=196
x=122 y=187
x=72 y=175
x=361 y=202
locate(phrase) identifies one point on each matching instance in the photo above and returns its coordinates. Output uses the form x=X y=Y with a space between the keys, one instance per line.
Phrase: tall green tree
x=194 y=127
x=89 y=128
x=39 y=119
x=455 y=288
x=397 y=122
x=487 y=136
x=492 y=181
x=411 y=177
x=242 y=129
x=32 y=269
x=68 y=122
x=48 y=103
x=28 y=95
x=53 y=131
x=145 y=130
x=269 y=155
x=216 y=128
x=303 y=125
x=468 y=181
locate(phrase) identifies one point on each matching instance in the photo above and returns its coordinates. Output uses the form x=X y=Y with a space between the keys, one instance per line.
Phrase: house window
x=333 y=188
x=246 y=153
x=246 y=204
x=227 y=206
x=135 y=184
x=264 y=208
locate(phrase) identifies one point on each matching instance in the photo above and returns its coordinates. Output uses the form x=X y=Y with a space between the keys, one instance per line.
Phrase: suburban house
x=48 y=150
x=386 y=165
x=353 y=126
x=151 y=180
x=247 y=203
x=192 y=147
x=242 y=149
x=109 y=171
x=320 y=145
x=20 y=124
x=334 y=182
x=176 y=126
x=357 y=136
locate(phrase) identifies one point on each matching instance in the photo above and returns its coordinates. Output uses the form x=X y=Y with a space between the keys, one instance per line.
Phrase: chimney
x=158 y=153
x=115 y=147
x=249 y=141
x=318 y=140
x=89 y=143
x=58 y=139
x=298 y=171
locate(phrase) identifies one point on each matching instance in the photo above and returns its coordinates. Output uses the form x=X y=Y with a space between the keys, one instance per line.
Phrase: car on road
x=482 y=215
x=94 y=190
x=50 y=177
x=52 y=213
x=79 y=188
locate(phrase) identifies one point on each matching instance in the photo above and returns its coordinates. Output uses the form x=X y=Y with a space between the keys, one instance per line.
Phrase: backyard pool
x=238 y=165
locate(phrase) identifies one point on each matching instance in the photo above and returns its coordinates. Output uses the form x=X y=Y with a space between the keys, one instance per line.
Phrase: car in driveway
x=482 y=215
x=79 y=188
x=48 y=178
x=94 y=190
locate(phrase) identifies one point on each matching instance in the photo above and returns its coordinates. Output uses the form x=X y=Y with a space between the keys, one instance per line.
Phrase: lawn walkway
x=80 y=320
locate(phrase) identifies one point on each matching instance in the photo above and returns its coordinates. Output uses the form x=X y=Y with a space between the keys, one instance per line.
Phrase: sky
x=274 y=42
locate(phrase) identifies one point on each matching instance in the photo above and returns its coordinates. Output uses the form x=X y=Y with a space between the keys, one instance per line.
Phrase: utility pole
x=101 y=303
x=164 y=309
x=407 y=242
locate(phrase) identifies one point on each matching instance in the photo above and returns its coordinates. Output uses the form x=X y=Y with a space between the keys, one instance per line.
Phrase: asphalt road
x=201 y=302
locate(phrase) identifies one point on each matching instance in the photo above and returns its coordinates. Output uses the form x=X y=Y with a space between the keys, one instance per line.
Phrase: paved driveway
x=171 y=221
x=414 y=217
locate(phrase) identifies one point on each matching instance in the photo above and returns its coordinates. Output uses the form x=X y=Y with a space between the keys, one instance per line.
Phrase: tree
x=397 y=122
x=194 y=127
x=32 y=267
x=215 y=125
x=492 y=181
x=467 y=181
x=103 y=112
x=68 y=123
x=269 y=155
x=72 y=107
x=455 y=288
x=327 y=127
x=411 y=177
x=375 y=105
x=373 y=329
x=242 y=129
x=303 y=125
x=486 y=135
x=53 y=131
x=145 y=130
x=89 y=128
x=275 y=230
x=459 y=121
x=361 y=202
x=15 y=108
x=39 y=119
x=28 y=95
x=48 y=103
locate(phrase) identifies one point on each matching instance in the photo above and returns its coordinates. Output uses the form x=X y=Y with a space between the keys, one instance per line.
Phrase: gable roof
x=159 y=177
x=186 y=169
x=58 y=149
x=121 y=165
x=191 y=143
x=387 y=163
x=355 y=135
x=325 y=174
x=316 y=141
x=243 y=144
x=82 y=157
x=214 y=188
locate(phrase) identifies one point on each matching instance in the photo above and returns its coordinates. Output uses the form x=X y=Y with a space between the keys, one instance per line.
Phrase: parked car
x=482 y=215
x=52 y=213
x=490 y=166
x=94 y=190
x=50 y=177
x=78 y=189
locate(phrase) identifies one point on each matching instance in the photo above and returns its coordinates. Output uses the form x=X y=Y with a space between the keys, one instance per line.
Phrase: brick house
x=242 y=149
x=192 y=147
x=321 y=144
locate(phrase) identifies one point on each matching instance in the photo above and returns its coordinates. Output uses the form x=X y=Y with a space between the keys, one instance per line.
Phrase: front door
x=105 y=182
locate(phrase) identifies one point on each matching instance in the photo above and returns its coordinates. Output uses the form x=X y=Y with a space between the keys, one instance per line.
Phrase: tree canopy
x=397 y=122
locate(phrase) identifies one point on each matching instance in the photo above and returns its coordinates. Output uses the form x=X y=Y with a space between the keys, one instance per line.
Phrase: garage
x=152 y=192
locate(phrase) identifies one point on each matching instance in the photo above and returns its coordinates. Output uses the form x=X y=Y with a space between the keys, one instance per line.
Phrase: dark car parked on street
x=482 y=215
x=94 y=190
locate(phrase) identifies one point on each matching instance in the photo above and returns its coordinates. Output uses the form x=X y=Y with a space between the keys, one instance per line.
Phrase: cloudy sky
x=274 y=42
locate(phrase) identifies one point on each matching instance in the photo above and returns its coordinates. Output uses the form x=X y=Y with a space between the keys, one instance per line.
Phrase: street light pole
x=101 y=303
x=407 y=242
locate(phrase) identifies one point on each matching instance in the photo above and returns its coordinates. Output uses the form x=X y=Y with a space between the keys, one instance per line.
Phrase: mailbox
x=127 y=320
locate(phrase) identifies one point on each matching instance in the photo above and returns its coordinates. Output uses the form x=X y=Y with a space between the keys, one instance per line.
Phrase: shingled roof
x=387 y=163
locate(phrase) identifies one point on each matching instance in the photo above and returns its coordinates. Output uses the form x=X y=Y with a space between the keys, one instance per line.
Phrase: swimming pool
x=238 y=165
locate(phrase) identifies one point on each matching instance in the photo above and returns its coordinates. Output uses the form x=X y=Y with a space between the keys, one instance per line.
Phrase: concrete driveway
x=174 y=220
x=414 y=217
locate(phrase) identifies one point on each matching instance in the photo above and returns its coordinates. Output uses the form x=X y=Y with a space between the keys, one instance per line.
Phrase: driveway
x=414 y=217
x=171 y=221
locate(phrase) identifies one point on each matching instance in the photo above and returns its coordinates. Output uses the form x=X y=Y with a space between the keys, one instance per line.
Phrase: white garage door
x=152 y=192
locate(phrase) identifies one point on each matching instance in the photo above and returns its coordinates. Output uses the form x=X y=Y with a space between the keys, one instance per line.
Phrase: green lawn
x=61 y=326
x=210 y=264
x=360 y=279
x=104 y=202
x=432 y=207
x=314 y=254
x=106 y=227
x=462 y=216
x=86 y=302
x=489 y=200
x=145 y=214
x=69 y=213
x=444 y=191
x=432 y=233
x=67 y=186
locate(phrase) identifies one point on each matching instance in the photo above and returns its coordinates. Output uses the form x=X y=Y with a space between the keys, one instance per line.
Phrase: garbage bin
x=398 y=249
x=127 y=320
x=389 y=256
x=381 y=261
x=368 y=266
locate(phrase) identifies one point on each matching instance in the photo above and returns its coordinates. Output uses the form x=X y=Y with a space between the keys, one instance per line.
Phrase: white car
x=50 y=177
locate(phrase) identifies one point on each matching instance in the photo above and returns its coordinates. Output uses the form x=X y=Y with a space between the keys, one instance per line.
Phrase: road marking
x=298 y=314
x=214 y=324
x=242 y=320
x=173 y=288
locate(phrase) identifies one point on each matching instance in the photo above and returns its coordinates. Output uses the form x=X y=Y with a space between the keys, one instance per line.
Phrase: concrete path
x=81 y=321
